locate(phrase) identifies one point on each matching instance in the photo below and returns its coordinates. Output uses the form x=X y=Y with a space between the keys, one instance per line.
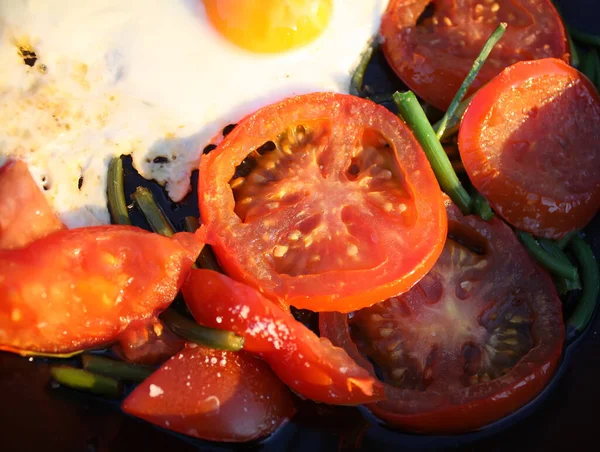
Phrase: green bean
x=116 y=369
x=49 y=355
x=359 y=74
x=115 y=192
x=584 y=38
x=154 y=215
x=466 y=84
x=86 y=381
x=551 y=263
x=206 y=259
x=562 y=243
x=412 y=113
x=482 y=208
x=574 y=53
x=591 y=285
x=191 y=331
x=563 y=284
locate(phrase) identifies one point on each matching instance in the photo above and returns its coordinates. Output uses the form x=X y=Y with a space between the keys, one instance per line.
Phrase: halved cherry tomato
x=79 y=288
x=529 y=143
x=474 y=340
x=323 y=201
x=432 y=56
x=214 y=395
x=310 y=366
x=25 y=214
x=148 y=343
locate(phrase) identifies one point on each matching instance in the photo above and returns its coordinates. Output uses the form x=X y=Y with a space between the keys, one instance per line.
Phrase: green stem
x=573 y=49
x=584 y=38
x=116 y=369
x=562 y=243
x=209 y=337
x=154 y=215
x=466 y=84
x=563 y=285
x=588 y=65
x=412 y=113
x=591 y=285
x=115 y=192
x=453 y=122
x=86 y=381
x=359 y=74
x=482 y=207
x=551 y=263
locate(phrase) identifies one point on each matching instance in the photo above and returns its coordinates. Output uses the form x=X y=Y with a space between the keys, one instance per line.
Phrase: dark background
x=34 y=416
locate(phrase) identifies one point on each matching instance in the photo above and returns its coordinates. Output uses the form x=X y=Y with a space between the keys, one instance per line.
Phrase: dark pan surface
x=36 y=417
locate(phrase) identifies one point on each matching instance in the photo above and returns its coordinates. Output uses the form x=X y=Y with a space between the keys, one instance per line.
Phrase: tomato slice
x=148 y=343
x=79 y=288
x=214 y=395
x=323 y=201
x=25 y=214
x=432 y=51
x=474 y=340
x=529 y=143
x=310 y=366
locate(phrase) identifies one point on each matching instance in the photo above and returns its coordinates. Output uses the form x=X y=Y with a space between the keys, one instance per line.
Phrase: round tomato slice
x=80 y=288
x=25 y=214
x=324 y=202
x=214 y=395
x=310 y=366
x=432 y=45
x=529 y=143
x=474 y=340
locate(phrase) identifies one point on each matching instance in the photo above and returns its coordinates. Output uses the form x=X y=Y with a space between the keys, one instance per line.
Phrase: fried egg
x=82 y=82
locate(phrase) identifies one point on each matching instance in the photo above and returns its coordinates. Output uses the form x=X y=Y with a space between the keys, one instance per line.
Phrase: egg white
x=146 y=78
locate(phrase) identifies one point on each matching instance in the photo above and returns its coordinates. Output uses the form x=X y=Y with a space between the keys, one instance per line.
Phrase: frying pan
x=36 y=416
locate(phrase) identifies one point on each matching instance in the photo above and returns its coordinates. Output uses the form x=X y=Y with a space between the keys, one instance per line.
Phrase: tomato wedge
x=310 y=366
x=25 y=214
x=324 y=202
x=79 y=288
x=214 y=395
x=529 y=143
x=474 y=340
x=147 y=343
x=432 y=51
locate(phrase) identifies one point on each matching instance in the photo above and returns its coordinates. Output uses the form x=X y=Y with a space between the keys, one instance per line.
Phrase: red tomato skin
x=498 y=398
x=25 y=214
x=213 y=395
x=335 y=290
x=88 y=285
x=530 y=209
x=435 y=73
x=148 y=343
x=307 y=364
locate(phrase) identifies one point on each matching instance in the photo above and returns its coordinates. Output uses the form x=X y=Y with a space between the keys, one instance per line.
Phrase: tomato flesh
x=433 y=55
x=79 y=288
x=474 y=340
x=25 y=214
x=324 y=202
x=312 y=367
x=214 y=395
x=529 y=143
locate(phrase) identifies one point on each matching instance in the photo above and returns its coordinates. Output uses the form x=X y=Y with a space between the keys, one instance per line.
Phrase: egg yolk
x=269 y=26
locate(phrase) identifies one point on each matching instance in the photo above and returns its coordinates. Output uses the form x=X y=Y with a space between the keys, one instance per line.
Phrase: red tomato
x=148 y=343
x=79 y=288
x=473 y=341
x=310 y=366
x=433 y=55
x=529 y=143
x=24 y=212
x=214 y=395
x=324 y=202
